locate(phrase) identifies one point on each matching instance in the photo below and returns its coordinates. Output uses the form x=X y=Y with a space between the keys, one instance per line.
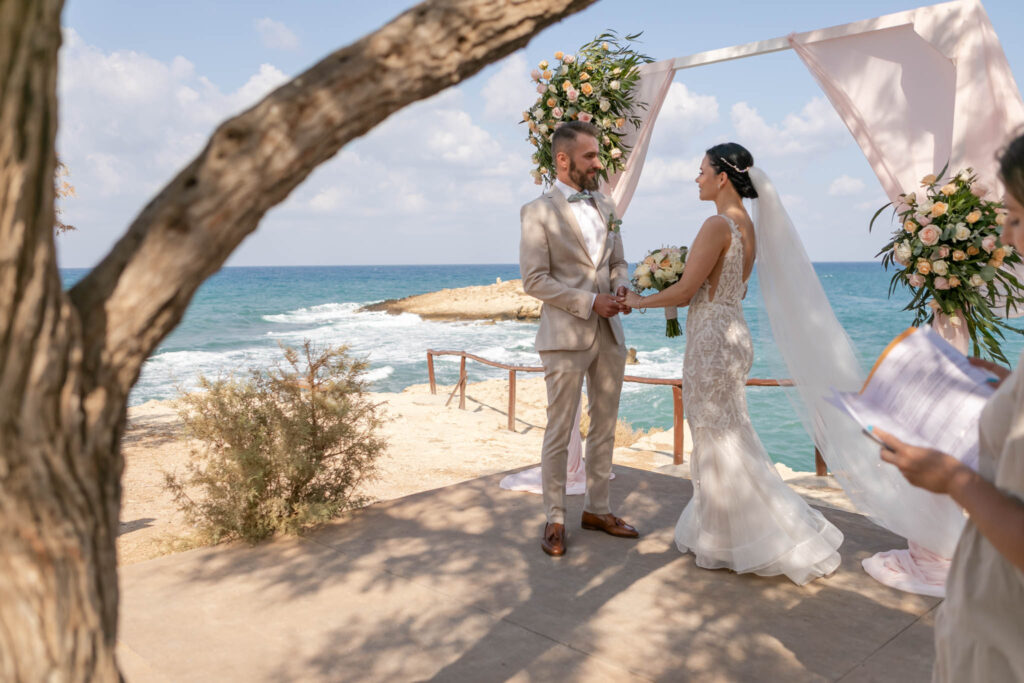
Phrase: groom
x=571 y=258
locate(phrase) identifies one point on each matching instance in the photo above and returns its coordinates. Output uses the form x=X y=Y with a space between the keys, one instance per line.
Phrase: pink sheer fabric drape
x=652 y=88
x=935 y=91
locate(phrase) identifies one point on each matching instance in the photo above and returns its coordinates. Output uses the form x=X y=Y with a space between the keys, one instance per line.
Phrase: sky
x=142 y=85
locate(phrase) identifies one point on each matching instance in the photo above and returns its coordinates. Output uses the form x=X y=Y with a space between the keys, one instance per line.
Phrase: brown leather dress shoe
x=610 y=524
x=553 y=542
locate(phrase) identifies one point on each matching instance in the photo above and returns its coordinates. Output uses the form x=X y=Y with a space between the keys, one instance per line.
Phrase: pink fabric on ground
x=913 y=570
x=576 y=473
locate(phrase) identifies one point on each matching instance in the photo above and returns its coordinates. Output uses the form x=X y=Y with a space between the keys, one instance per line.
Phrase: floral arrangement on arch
x=595 y=84
x=659 y=270
x=948 y=252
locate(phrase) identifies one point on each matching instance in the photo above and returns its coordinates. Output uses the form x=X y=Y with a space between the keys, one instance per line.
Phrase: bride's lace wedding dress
x=742 y=515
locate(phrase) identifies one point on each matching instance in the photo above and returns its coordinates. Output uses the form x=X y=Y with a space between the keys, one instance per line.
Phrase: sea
x=240 y=317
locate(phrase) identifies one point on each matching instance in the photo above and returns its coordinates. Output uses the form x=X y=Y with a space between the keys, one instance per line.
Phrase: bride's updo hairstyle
x=734 y=161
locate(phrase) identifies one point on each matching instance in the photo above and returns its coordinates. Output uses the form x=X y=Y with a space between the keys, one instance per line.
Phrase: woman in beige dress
x=979 y=631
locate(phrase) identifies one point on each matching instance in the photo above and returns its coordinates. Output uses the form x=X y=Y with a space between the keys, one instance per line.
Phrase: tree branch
x=136 y=296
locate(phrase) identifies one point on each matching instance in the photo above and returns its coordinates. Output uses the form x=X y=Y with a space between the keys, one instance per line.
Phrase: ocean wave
x=313 y=314
x=377 y=374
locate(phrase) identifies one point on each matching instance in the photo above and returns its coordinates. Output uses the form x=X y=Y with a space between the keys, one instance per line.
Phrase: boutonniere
x=614 y=224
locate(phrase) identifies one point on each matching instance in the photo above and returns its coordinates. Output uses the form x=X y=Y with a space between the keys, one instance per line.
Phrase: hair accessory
x=733 y=166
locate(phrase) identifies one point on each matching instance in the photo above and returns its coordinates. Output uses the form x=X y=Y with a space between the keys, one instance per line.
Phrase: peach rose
x=999 y=253
x=939 y=208
x=559 y=55
x=928 y=180
x=552 y=102
x=954 y=281
x=959 y=255
x=547 y=75
x=620 y=122
x=910 y=226
x=996 y=263
x=972 y=250
x=584 y=76
x=948 y=189
x=543 y=64
x=924 y=266
x=940 y=283
x=587 y=89
x=929 y=235
x=1000 y=218
x=973 y=217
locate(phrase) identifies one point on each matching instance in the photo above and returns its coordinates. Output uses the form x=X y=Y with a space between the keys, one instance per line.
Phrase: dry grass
x=625 y=435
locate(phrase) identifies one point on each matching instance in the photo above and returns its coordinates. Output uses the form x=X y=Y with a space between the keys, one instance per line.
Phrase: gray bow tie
x=579 y=197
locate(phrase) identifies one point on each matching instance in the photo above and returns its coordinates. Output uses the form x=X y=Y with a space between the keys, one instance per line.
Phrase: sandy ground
x=429 y=446
x=500 y=301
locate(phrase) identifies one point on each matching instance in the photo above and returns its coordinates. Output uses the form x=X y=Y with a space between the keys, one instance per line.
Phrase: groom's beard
x=586 y=182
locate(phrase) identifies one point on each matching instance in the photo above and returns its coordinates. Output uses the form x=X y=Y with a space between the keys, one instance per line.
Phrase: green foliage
x=282 y=450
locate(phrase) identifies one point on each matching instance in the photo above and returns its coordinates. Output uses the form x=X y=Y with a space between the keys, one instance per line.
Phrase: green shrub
x=281 y=450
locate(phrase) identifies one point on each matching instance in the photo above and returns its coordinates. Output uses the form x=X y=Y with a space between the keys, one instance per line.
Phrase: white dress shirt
x=589 y=219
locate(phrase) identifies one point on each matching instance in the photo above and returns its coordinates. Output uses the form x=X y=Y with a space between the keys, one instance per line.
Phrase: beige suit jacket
x=557 y=269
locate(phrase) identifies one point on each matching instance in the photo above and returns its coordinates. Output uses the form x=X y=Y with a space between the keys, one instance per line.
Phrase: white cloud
x=845 y=185
x=509 y=91
x=662 y=173
x=275 y=35
x=685 y=112
x=815 y=129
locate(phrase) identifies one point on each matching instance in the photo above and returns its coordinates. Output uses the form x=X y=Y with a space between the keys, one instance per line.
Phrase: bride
x=742 y=515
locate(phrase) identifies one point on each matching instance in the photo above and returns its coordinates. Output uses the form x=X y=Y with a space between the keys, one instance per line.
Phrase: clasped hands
x=608 y=305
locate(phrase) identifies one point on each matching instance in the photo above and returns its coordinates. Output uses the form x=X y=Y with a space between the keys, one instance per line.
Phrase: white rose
x=903 y=252
x=614 y=85
x=962 y=232
x=538 y=113
x=564 y=70
x=940 y=267
x=605 y=105
x=645 y=281
x=976 y=280
x=552 y=89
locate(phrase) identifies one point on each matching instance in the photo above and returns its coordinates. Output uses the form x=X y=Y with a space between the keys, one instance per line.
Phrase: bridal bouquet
x=947 y=251
x=596 y=85
x=659 y=270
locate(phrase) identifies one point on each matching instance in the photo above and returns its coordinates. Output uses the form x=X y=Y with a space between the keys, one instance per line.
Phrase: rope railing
x=513 y=370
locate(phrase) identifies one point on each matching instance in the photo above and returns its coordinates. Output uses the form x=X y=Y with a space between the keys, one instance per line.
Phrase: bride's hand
x=633 y=300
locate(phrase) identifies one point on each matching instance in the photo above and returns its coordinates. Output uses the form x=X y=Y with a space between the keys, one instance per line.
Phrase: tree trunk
x=68 y=360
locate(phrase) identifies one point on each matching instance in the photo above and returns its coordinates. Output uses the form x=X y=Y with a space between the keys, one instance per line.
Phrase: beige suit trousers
x=602 y=364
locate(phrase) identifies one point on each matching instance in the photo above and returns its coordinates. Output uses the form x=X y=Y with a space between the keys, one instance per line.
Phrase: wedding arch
x=917 y=90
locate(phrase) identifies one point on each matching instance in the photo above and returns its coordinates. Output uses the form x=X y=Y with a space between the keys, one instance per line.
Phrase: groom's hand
x=620 y=296
x=606 y=305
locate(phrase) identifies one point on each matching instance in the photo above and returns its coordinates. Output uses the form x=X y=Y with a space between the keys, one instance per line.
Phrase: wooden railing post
x=430 y=371
x=820 y=468
x=677 y=424
x=512 y=400
x=462 y=383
